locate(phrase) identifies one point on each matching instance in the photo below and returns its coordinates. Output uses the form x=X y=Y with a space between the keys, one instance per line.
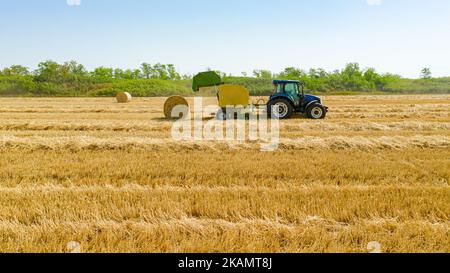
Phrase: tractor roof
x=284 y=81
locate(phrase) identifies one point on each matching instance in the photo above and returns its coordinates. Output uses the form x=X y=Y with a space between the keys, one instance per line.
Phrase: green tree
x=335 y=81
x=136 y=74
x=372 y=78
x=262 y=74
x=48 y=71
x=351 y=70
x=75 y=68
x=386 y=79
x=128 y=74
x=118 y=73
x=160 y=71
x=103 y=73
x=426 y=73
x=72 y=73
x=172 y=72
x=317 y=73
x=147 y=70
x=371 y=75
x=292 y=73
x=15 y=70
x=353 y=79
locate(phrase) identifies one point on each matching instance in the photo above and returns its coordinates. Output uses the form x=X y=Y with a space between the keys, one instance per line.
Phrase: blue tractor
x=289 y=97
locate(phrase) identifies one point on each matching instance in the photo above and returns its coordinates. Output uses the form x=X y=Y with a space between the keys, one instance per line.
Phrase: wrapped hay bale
x=123 y=97
x=173 y=102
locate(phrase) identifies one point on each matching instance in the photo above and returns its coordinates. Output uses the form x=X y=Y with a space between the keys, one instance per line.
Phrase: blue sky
x=398 y=36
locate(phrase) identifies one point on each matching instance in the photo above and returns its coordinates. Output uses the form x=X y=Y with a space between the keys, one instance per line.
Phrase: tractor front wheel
x=280 y=108
x=316 y=111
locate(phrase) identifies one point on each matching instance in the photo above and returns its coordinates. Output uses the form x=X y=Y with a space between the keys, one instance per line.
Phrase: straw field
x=110 y=177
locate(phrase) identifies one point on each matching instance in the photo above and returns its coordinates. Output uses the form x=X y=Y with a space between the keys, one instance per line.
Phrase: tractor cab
x=293 y=90
x=289 y=97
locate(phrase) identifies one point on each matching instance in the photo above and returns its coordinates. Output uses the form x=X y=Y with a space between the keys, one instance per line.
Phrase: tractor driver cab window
x=292 y=90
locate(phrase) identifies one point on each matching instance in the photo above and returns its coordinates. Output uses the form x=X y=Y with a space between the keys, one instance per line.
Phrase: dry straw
x=123 y=97
x=173 y=102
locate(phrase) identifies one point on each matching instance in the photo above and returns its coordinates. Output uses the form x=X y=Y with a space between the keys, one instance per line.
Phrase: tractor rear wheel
x=280 y=108
x=316 y=111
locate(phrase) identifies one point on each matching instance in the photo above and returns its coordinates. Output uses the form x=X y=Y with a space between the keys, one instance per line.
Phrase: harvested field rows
x=109 y=176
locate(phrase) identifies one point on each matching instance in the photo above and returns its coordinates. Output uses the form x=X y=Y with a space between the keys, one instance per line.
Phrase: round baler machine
x=228 y=95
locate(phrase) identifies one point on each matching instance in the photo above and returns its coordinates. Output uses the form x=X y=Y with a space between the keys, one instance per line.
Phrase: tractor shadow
x=161 y=119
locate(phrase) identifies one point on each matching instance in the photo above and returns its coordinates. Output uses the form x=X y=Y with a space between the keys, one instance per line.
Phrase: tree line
x=73 y=79
x=50 y=71
x=351 y=78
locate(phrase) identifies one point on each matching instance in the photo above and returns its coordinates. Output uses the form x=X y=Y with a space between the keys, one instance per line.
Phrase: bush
x=17 y=86
x=142 y=88
x=256 y=86
x=436 y=85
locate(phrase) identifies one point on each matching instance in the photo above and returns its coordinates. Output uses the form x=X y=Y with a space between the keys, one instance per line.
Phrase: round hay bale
x=123 y=97
x=173 y=102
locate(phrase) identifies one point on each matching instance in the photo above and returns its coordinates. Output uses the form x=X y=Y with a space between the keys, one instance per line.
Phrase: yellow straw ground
x=110 y=177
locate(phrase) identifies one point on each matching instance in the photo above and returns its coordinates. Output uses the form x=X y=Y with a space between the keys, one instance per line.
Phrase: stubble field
x=110 y=177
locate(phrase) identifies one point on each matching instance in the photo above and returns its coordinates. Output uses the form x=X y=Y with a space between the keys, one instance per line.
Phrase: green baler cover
x=206 y=79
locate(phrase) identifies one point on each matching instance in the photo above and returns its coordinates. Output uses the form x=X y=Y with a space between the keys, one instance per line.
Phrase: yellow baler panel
x=233 y=95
